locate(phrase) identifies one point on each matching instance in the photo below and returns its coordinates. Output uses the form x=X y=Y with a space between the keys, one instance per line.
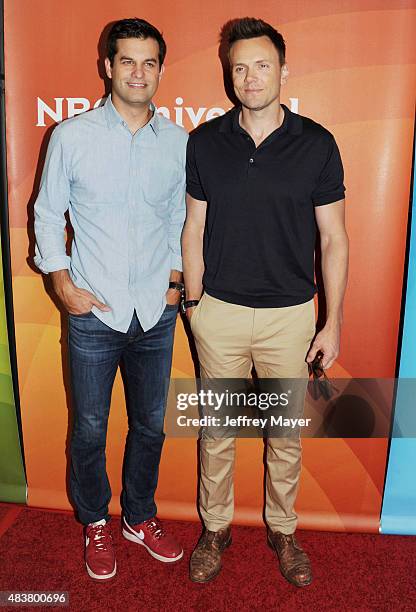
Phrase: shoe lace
x=101 y=536
x=155 y=528
x=286 y=540
x=209 y=539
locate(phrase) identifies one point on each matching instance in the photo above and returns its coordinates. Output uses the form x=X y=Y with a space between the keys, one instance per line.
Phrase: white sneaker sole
x=137 y=540
x=99 y=576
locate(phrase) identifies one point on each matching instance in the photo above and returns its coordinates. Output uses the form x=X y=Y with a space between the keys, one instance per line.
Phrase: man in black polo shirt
x=259 y=180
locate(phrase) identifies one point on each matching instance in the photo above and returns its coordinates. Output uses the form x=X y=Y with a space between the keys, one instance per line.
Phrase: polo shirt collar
x=292 y=122
x=114 y=118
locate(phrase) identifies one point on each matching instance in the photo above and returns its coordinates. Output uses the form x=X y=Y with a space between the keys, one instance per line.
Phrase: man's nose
x=250 y=74
x=137 y=71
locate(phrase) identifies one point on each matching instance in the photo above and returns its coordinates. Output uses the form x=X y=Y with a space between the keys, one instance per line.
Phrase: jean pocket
x=83 y=315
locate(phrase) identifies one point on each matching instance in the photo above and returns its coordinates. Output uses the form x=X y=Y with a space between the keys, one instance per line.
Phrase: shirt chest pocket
x=158 y=177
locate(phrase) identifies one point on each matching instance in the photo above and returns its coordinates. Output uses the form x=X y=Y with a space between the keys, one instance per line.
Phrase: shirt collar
x=292 y=122
x=113 y=117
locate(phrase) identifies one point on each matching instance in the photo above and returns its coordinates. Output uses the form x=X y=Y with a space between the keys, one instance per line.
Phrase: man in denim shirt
x=119 y=171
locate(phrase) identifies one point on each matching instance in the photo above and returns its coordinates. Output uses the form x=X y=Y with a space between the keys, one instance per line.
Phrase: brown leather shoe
x=294 y=562
x=206 y=558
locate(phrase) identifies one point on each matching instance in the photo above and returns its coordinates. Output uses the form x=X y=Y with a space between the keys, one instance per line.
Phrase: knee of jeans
x=90 y=430
x=148 y=430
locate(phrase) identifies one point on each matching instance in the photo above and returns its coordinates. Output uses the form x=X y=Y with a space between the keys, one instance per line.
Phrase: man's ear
x=284 y=75
x=107 y=65
x=161 y=71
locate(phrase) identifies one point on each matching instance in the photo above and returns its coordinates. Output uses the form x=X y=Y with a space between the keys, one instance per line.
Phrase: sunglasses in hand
x=321 y=386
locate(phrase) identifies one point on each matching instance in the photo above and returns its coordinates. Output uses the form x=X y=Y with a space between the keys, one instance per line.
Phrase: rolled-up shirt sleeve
x=177 y=219
x=50 y=207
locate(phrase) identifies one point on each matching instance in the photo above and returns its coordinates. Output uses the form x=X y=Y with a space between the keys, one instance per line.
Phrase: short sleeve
x=193 y=181
x=330 y=187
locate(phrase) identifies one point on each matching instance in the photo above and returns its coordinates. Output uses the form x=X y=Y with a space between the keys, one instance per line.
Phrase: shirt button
x=251 y=160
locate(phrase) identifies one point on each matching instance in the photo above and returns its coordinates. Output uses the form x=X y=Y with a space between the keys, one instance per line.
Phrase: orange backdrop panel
x=351 y=69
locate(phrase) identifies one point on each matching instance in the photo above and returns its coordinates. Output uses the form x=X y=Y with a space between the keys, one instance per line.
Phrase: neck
x=136 y=116
x=260 y=123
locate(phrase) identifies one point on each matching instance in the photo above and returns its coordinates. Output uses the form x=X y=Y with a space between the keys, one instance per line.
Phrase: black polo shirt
x=260 y=227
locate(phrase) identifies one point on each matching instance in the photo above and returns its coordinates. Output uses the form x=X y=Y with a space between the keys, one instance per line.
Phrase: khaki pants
x=229 y=340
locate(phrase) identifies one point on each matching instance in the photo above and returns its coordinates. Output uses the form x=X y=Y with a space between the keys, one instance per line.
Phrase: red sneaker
x=153 y=537
x=100 y=559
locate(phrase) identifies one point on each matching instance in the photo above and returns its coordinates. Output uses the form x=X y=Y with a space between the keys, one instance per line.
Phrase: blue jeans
x=95 y=352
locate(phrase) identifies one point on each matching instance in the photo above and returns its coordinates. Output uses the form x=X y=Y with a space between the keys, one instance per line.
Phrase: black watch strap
x=179 y=286
x=188 y=304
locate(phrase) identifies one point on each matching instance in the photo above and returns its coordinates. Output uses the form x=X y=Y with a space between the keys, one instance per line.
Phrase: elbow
x=338 y=240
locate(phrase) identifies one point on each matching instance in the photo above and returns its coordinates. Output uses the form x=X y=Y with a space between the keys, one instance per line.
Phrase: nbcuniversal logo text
x=63 y=108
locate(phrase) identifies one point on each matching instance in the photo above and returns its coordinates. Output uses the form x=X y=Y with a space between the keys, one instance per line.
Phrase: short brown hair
x=134 y=28
x=249 y=27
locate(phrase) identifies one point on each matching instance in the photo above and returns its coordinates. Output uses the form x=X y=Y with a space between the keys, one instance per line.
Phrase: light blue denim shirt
x=126 y=199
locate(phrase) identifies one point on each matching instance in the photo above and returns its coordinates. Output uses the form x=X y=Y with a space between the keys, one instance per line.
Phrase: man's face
x=135 y=72
x=256 y=72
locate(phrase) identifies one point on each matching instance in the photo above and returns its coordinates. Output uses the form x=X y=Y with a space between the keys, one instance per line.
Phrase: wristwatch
x=188 y=304
x=179 y=286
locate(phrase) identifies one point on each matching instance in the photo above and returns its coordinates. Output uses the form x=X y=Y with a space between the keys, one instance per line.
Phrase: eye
x=264 y=66
x=127 y=61
x=239 y=69
x=149 y=64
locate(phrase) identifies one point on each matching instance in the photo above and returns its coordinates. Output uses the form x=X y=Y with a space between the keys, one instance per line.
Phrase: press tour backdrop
x=351 y=70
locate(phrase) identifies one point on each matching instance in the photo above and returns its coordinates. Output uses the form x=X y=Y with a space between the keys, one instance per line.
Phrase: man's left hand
x=173 y=297
x=326 y=342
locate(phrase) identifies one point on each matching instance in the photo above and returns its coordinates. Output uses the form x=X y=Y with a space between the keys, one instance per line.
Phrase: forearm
x=193 y=261
x=176 y=276
x=62 y=283
x=334 y=251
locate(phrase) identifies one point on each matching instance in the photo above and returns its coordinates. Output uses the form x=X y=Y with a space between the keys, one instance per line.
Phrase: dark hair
x=134 y=28
x=249 y=27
